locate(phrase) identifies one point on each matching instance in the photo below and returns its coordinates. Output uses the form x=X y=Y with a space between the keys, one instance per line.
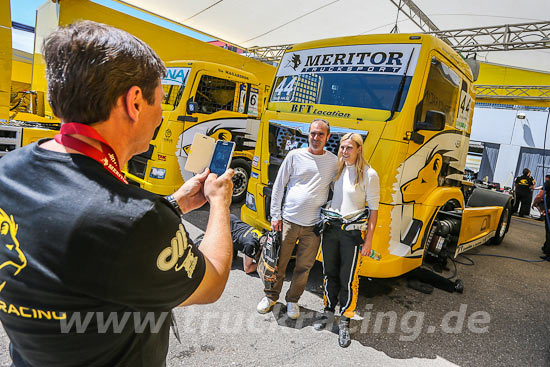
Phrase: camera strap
x=106 y=156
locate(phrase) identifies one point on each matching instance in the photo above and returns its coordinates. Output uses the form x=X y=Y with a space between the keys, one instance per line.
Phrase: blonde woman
x=356 y=183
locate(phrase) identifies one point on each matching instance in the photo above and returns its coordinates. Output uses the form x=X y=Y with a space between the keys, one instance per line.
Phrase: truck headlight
x=157 y=173
x=250 y=201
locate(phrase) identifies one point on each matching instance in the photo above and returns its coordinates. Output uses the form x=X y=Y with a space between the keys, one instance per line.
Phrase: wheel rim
x=504 y=225
x=240 y=181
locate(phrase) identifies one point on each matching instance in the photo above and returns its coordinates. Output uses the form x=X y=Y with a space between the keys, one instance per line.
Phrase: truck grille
x=137 y=165
x=10 y=139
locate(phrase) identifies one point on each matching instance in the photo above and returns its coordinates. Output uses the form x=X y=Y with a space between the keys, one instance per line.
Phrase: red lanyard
x=106 y=156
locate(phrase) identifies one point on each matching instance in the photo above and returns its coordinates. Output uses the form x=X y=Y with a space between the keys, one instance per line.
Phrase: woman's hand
x=367 y=247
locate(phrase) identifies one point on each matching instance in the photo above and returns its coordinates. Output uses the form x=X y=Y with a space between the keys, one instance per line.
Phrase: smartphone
x=200 y=153
x=221 y=158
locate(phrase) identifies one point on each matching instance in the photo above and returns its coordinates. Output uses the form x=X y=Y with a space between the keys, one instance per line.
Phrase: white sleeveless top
x=349 y=198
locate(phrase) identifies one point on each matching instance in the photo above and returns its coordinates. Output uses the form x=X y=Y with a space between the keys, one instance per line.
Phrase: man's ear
x=133 y=102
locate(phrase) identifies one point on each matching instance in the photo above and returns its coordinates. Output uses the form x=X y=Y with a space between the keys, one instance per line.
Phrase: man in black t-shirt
x=524 y=185
x=90 y=267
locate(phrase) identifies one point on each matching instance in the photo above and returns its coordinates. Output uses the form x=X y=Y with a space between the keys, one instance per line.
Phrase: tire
x=503 y=224
x=240 y=179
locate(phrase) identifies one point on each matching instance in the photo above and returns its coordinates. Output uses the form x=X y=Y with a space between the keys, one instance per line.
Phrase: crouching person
x=246 y=239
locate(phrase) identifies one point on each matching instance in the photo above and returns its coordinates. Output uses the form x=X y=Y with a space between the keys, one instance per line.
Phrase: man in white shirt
x=307 y=174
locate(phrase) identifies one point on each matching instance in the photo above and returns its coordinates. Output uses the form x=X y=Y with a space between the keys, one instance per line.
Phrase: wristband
x=172 y=200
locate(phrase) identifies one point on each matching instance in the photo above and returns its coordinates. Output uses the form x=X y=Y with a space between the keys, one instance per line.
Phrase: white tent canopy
x=269 y=23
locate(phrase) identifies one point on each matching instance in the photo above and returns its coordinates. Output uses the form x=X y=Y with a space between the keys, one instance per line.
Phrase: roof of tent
x=269 y=23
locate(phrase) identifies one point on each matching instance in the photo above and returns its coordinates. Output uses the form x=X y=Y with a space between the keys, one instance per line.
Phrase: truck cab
x=411 y=97
x=200 y=97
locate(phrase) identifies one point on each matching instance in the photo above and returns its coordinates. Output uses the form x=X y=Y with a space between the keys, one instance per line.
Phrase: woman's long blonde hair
x=360 y=162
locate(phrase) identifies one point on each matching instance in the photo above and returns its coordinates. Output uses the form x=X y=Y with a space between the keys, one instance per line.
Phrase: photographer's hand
x=219 y=190
x=217 y=244
x=190 y=195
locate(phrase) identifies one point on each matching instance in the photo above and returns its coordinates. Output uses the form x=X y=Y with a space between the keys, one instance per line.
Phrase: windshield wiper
x=397 y=99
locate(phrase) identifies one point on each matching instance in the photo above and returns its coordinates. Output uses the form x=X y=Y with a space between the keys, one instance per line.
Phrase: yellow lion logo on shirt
x=11 y=256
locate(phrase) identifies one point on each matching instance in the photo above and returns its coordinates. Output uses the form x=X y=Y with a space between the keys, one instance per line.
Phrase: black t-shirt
x=524 y=183
x=245 y=238
x=80 y=247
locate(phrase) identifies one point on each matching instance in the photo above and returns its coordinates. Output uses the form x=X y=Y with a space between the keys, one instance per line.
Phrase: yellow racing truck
x=207 y=98
x=22 y=118
x=411 y=97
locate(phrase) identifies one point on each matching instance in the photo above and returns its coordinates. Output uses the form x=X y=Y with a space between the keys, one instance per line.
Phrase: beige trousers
x=306 y=252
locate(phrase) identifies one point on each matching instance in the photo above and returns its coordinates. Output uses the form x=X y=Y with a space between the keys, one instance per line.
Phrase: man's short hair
x=90 y=65
x=326 y=123
x=526 y=171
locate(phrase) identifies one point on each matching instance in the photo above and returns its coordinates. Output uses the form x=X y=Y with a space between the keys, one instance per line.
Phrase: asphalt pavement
x=499 y=320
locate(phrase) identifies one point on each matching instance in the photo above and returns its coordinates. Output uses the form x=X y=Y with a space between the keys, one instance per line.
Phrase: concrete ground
x=499 y=320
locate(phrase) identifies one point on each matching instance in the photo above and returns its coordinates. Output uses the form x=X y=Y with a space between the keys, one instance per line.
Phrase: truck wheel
x=503 y=224
x=240 y=178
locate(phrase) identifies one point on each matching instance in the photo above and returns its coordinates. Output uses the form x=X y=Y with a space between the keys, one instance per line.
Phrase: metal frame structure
x=521 y=36
x=507 y=37
x=527 y=92
x=415 y=14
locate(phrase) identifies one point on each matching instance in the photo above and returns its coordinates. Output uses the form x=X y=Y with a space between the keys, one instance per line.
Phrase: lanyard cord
x=106 y=157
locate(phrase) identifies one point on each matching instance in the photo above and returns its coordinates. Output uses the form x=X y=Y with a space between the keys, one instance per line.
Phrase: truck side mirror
x=192 y=107
x=435 y=121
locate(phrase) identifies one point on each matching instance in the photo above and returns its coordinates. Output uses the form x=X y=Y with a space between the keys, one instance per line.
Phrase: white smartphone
x=200 y=153
x=221 y=159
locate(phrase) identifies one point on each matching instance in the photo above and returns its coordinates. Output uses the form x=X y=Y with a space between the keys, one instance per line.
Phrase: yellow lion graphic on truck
x=14 y=257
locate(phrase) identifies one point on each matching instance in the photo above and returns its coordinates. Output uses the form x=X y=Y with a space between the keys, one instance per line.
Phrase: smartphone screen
x=221 y=157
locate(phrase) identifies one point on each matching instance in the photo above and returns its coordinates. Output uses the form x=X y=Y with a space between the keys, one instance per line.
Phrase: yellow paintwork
x=5 y=59
x=30 y=135
x=507 y=75
x=411 y=182
x=478 y=224
x=492 y=74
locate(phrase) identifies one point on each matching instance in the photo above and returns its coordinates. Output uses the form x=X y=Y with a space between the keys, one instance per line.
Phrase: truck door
x=434 y=148
x=221 y=114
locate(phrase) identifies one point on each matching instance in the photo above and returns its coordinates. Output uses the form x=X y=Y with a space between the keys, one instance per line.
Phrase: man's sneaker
x=323 y=319
x=265 y=305
x=292 y=310
x=344 y=338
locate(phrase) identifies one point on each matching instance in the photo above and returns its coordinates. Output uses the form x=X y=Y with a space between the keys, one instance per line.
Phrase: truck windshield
x=173 y=84
x=360 y=76
x=341 y=89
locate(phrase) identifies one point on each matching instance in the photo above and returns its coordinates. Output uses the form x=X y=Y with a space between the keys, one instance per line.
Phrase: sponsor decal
x=236 y=75
x=242 y=98
x=161 y=157
x=167 y=133
x=464 y=108
x=255 y=161
x=158 y=173
x=470 y=245
x=176 y=76
x=254 y=174
x=12 y=259
x=375 y=59
x=310 y=109
x=253 y=102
